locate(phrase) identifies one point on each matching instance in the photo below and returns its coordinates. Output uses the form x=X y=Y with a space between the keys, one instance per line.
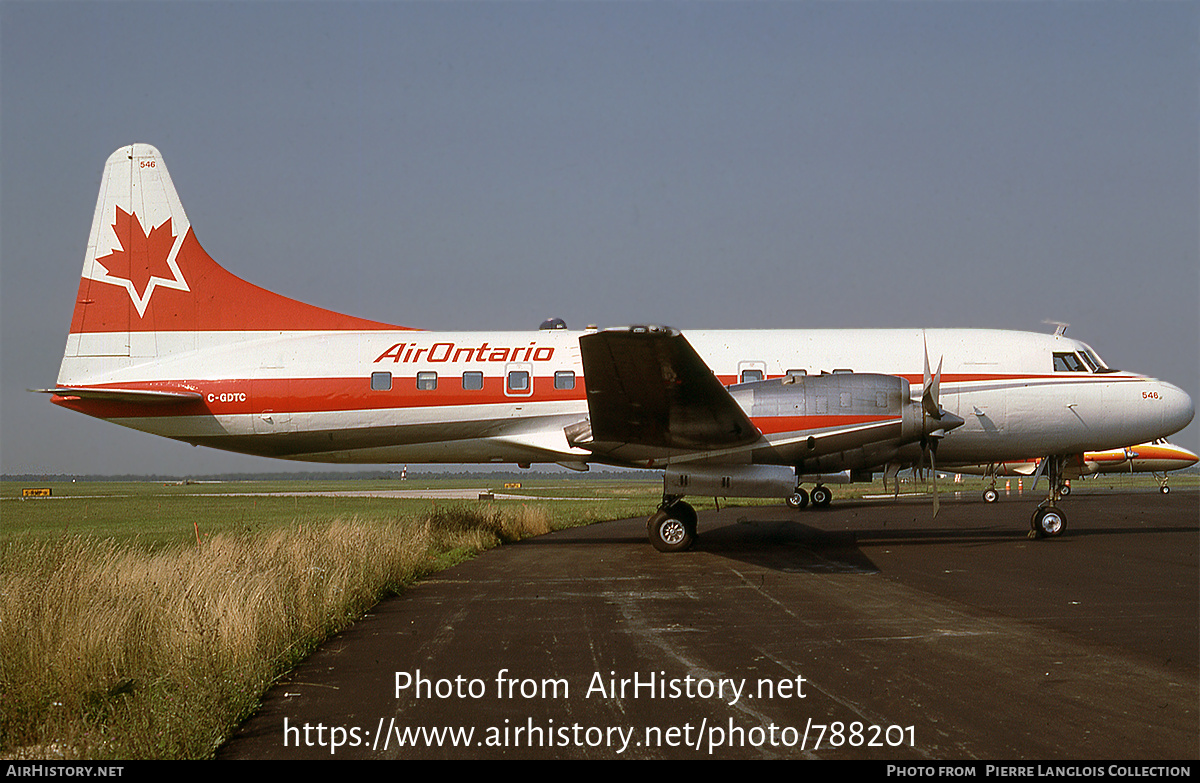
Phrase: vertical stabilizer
x=148 y=288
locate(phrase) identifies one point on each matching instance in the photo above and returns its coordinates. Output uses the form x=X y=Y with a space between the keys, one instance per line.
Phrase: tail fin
x=145 y=273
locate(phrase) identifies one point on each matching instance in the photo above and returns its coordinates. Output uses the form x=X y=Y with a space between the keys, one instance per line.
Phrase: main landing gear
x=673 y=527
x=821 y=497
x=798 y=499
x=990 y=495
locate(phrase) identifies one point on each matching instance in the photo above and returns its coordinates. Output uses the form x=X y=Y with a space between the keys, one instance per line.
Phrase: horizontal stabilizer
x=135 y=396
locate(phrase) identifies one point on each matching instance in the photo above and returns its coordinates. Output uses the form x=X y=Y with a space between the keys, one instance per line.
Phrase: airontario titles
x=407 y=353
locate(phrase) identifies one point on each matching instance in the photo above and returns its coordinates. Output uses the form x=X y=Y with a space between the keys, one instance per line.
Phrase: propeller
x=936 y=421
x=892 y=469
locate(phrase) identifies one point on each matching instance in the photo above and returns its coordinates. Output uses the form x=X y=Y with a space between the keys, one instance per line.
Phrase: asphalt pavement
x=867 y=630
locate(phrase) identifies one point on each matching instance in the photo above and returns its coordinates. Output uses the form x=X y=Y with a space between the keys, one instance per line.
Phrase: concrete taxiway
x=866 y=630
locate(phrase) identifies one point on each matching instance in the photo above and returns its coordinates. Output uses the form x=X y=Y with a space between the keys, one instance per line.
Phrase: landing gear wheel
x=684 y=513
x=1048 y=522
x=798 y=499
x=821 y=496
x=1165 y=489
x=669 y=533
x=1064 y=490
x=990 y=495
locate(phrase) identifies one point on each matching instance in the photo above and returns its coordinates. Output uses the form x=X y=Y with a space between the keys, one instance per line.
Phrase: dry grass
x=112 y=651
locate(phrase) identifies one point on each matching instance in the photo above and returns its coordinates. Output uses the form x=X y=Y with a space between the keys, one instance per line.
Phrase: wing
x=647 y=386
x=651 y=396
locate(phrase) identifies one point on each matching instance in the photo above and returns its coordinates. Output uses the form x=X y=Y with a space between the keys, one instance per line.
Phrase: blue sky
x=699 y=164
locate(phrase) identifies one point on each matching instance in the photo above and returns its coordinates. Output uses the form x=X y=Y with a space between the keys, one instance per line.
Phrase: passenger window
x=749 y=376
x=518 y=381
x=564 y=379
x=1068 y=362
x=381 y=381
x=427 y=381
x=472 y=381
x=800 y=373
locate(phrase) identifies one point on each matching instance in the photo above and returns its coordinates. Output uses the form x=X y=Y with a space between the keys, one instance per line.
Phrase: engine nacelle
x=843 y=421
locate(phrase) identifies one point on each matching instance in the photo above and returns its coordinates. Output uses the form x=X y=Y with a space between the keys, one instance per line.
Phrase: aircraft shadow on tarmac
x=830 y=540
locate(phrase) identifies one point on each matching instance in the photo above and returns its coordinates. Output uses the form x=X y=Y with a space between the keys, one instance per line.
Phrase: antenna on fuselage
x=1060 y=328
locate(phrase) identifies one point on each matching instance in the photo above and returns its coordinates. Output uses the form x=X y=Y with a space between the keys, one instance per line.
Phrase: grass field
x=165 y=514
x=144 y=620
x=155 y=514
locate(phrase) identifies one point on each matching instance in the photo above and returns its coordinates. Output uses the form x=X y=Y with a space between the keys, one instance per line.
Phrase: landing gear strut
x=673 y=527
x=990 y=495
x=1048 y=521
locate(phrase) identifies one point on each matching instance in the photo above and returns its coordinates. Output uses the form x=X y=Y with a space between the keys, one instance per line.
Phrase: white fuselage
x=412 y=396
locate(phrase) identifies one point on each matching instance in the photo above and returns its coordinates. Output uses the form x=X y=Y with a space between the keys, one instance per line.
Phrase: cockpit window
x=1068 y=362
x=1092 y=358
x=1088 y=361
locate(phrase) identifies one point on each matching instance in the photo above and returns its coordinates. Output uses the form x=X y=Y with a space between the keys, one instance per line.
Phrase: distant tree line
x=364 y=475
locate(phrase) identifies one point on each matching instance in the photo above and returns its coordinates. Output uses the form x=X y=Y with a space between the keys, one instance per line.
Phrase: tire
x=1048 y=522
x=1064 y=490
x=684 y=513
x=668 y=533
x=798 y=499
x=821 y=496
x=1165 y=489
x=990 y=495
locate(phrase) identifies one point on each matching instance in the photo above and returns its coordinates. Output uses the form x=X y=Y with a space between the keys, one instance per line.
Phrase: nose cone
x=1177 y=408
x=1183 y=458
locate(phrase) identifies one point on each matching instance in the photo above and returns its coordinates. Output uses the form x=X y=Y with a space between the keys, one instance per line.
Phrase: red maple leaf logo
x=142 y=256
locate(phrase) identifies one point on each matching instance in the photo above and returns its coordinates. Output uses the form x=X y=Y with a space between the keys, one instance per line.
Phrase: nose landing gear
x=1048 y=521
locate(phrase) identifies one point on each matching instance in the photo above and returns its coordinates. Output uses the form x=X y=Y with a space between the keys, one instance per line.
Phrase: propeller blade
x=892 y=468
x=933 y=469
x=925 y=384
x=1041 y=469
x=931 y=396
